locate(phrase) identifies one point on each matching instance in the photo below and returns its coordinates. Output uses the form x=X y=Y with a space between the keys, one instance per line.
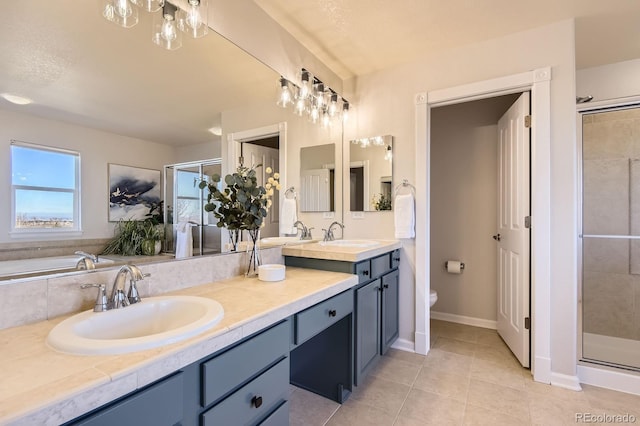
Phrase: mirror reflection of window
x=371 y=174
x=317 y=178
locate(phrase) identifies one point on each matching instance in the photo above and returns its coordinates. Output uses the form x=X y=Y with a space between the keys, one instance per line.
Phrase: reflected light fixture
x=165 y=29
x=120 y=12
x=193 y=21
x=373 y=141
x=169 y=20
x=388 y=155
x=15 y=99
x=312 y=97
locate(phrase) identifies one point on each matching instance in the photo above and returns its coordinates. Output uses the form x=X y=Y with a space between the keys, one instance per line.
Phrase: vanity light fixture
x=312 y=97
x=165 y=28
x=373 y=141
x=169 y=21
x=388 y=155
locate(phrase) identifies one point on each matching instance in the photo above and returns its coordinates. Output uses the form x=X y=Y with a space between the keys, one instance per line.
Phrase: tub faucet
x=87 y=262
x=328 y=233
x=118 y=299
x=93 y=257
x=305 y=233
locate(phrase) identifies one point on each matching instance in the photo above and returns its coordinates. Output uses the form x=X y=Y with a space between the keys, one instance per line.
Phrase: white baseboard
x=605 y=378
x=404 y=345
x=565 y=381
x=542 y=370
x=461 y=319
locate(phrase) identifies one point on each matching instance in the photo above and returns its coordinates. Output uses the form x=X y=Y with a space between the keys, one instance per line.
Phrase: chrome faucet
x=87 y=262
x=305 y=233
x=117 y=298
x=328 y=233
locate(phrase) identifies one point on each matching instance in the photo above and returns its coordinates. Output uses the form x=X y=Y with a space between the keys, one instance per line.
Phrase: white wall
x=610 y=81
x=96 y=148
x=203 y=151
x=385 y=105
x=464 y=205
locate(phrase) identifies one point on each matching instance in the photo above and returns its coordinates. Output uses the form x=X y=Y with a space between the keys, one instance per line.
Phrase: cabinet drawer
x=254 y=401
x=380 y=265
x=234 y=367
x=395 y=258
x=160 y=404
x=316 y=318
x=363 y=271
x=279 y=417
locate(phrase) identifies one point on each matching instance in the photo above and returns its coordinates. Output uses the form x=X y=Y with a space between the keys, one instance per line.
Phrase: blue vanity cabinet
x=376 y=299
x=244 y=384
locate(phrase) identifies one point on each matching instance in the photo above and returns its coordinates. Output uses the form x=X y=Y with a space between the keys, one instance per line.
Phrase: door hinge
x=527 y=221
x=527 y=323
x=527 y=121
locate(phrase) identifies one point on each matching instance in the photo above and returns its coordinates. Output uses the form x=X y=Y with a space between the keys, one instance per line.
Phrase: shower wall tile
x=608 y=304
x=634 y=201
x=606 y=197
x=607 y=139
x=606 y=255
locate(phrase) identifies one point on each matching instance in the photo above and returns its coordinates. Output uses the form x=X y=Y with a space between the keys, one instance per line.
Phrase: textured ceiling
x=79 y=68
x=358 y=37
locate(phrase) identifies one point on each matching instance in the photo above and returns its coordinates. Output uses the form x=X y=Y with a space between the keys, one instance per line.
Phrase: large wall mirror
x=318 y=178
x=116 y=98
x=371 y=174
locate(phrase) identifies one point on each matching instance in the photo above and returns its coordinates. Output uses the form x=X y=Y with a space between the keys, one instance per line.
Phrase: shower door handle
x=497 y=237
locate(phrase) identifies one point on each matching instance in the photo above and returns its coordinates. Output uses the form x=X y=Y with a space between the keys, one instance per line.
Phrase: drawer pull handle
x=365 y=273
x=386 y=286
x=332 y=312
x=256 y=401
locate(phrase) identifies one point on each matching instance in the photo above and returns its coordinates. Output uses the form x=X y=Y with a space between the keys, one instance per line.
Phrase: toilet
x=433 y=297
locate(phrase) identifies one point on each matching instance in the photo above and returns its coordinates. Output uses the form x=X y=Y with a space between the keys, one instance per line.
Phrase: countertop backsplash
x=31 y=300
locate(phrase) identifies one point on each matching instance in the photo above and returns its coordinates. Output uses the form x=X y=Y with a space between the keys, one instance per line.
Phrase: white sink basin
x=349 y=243
x=154 y=322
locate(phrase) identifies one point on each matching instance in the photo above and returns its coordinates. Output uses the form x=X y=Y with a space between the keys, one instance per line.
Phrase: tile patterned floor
x=468 y=378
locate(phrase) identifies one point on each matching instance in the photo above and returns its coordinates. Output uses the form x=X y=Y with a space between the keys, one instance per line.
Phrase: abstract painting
x=133 y=191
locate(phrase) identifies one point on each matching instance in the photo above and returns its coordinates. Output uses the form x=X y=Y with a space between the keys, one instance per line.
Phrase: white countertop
x=341 y=253
x=41 y=386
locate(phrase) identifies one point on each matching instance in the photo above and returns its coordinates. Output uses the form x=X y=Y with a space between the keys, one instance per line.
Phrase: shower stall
x=184 y=203
x=610 y=236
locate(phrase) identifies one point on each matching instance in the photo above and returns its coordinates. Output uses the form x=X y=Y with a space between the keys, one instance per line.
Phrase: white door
x=315 y=188
x=513 y=235
x=268 y=157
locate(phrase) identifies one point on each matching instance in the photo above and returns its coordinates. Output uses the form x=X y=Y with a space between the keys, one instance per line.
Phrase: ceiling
x=358 y=37
x=79 y=68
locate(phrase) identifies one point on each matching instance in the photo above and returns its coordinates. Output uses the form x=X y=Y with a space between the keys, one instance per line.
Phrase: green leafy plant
x=242 y=204
x=130 y=237
x=381 y=202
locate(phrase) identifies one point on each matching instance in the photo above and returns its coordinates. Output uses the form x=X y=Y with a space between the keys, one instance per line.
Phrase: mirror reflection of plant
x=381 y=202
x=242 y=204
x=130 y=236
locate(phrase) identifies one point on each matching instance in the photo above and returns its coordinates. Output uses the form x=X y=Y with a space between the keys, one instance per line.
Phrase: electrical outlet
x=328 y=215
x=357 y=215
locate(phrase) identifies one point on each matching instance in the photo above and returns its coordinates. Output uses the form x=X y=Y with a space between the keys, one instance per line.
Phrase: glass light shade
x=149 y=5
x=345 y=112
x=284 y=94
x=300 y=105
x=326 y=119
x=319 y=95
x=305 y=85
x=194 y=21
x=332 y=107
x=120 y=12
x=314 y=113
x=165 y=31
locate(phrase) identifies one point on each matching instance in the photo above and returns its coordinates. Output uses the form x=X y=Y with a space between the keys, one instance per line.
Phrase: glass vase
x=253 y=250
x=234 y=238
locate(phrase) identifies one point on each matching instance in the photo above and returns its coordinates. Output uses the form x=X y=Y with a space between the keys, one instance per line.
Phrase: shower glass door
x=611 y=237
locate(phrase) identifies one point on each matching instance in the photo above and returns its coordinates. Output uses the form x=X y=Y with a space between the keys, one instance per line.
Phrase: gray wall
x=464 y=143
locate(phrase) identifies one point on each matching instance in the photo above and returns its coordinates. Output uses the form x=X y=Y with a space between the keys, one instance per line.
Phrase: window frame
x=76 y=229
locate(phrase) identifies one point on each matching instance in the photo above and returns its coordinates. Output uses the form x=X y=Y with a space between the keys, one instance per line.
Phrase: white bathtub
x=9 y=268
x=614 y=350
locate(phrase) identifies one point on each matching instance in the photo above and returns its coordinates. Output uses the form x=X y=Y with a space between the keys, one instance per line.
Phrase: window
x=45 y=189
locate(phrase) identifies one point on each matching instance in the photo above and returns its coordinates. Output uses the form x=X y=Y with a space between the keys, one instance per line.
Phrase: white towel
x=184 y=240
x=405 y=216
x=288 y=216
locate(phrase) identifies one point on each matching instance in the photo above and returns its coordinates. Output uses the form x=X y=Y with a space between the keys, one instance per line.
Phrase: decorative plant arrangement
x=135 y=238
x=381 y=202
x=242 y=205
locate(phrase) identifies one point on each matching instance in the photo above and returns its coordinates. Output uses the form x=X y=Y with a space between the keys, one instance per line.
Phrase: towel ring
x=290 y=191
x=405 y=184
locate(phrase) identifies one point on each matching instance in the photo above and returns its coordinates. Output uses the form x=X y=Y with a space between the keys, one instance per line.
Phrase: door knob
x=496 y=237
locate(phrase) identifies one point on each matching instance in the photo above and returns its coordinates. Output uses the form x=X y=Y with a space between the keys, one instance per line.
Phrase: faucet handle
x=133 y=296
x=101 y=301
x=309 y=237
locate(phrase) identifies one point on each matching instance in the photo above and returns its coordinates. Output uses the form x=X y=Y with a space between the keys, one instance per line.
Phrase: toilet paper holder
x=446 y=266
